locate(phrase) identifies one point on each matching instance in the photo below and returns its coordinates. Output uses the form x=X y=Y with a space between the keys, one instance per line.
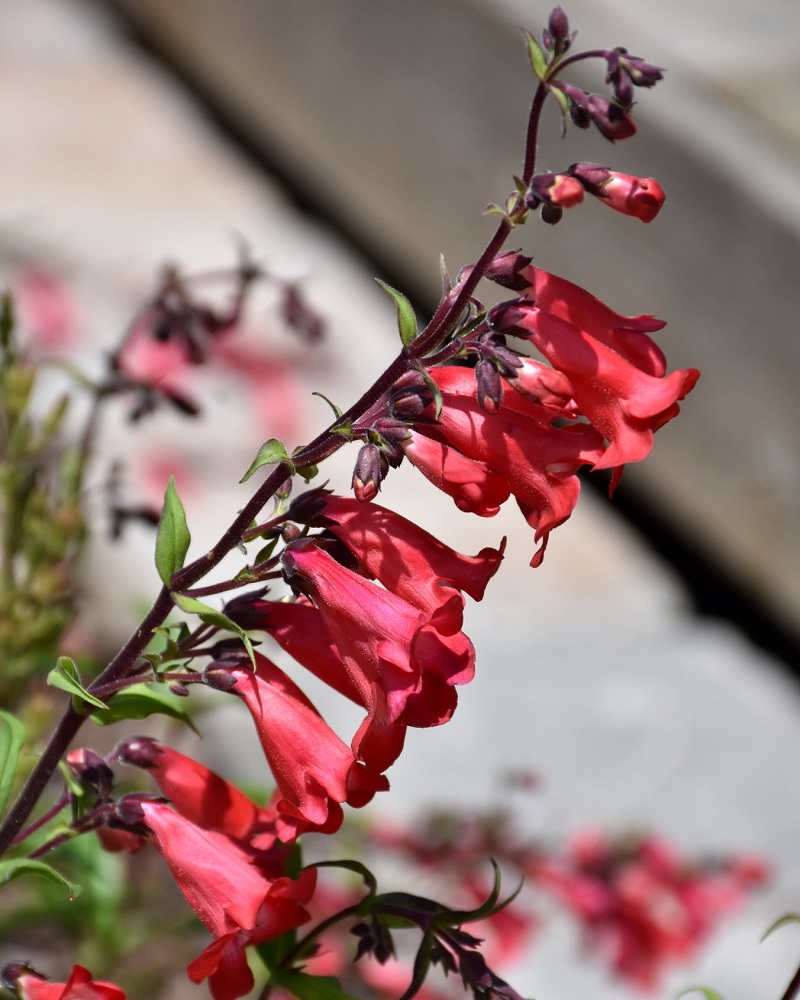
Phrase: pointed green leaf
x=308 y=987
x=24 y=866
x=65 y=676
x=140 y=701
x=787 y=918
x=406 y=320
x=12 y=736
x=709 y=994
x=172 y=538
x=270 y=453
x=336 y=410
x=536 y=55
x=211 y=616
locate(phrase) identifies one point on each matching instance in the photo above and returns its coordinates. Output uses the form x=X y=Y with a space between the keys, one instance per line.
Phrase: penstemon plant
x=366 y=600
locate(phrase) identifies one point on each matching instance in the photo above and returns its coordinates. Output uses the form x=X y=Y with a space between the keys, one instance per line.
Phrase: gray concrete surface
x=591 y=670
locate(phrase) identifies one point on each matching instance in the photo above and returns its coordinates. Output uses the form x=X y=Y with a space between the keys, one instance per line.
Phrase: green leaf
x=140 y=701
x=270 y=453
x=12 y=736
x=709 y=994
x=24 y=866
x=563 y=103
x=65 y=676
x=406 y=320
x=353 y=866
x=787 y=918
x=307 y=987
x=172 y=538
x=211 y=616
x=536 y=55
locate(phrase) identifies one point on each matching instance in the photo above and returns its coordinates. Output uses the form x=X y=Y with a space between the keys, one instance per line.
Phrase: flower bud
x=370 y=469
x=554 y=189
x=558 y=30
x=506 y=270
x=139 y=751
x=489 y=386
x=92 y=770
x=611 y=120
x=640 y=197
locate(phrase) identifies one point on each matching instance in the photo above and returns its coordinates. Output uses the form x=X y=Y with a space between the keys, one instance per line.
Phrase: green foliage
x=172 y=538
x=65 y=676
x=17 y=867
x=307 y=987
x=211 y=616
x=271 y=452
x=406 y=320
x=536 y=56
x=140 y=701
x=12 y=737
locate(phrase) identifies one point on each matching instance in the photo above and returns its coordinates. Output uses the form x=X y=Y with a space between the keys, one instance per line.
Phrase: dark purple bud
x=489 y=386
x=407 y=402
x=139 y=751
x=551 y=214
x=611 y=120
x=218 y=678
x=507 y=316
x=11 y=974
x=128 y=810
x=591 y=175
x=92 y=770
x=308 y=507
x=370 y=470
x=558 y=30
x=506 y=269
x=179 y=689
x=641 y=73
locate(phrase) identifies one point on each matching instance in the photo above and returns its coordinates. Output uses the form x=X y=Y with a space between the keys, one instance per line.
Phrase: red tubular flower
x=230 y=893
x=199 y=795
x=518 y=443
x=299 y=629
x=29 y=985
x=409 y=561
x=402 y=667
x=640 y=197
x=313 y=768
x=616 y=371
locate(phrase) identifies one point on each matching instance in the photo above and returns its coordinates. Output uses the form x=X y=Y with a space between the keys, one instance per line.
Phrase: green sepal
x=12 y=737
x=172 y=537
x=337 y=411
x=65 y=676
x=344 y=429
x=360 y=869
x=25 y=866
x=307 y=987
x=271 y=452
x=211 y=616
x=563 y=102
x=709 y=994
x=536 y=55
x=435 y=391
x=406 y=320
x=787 y=918
x=140 y=701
